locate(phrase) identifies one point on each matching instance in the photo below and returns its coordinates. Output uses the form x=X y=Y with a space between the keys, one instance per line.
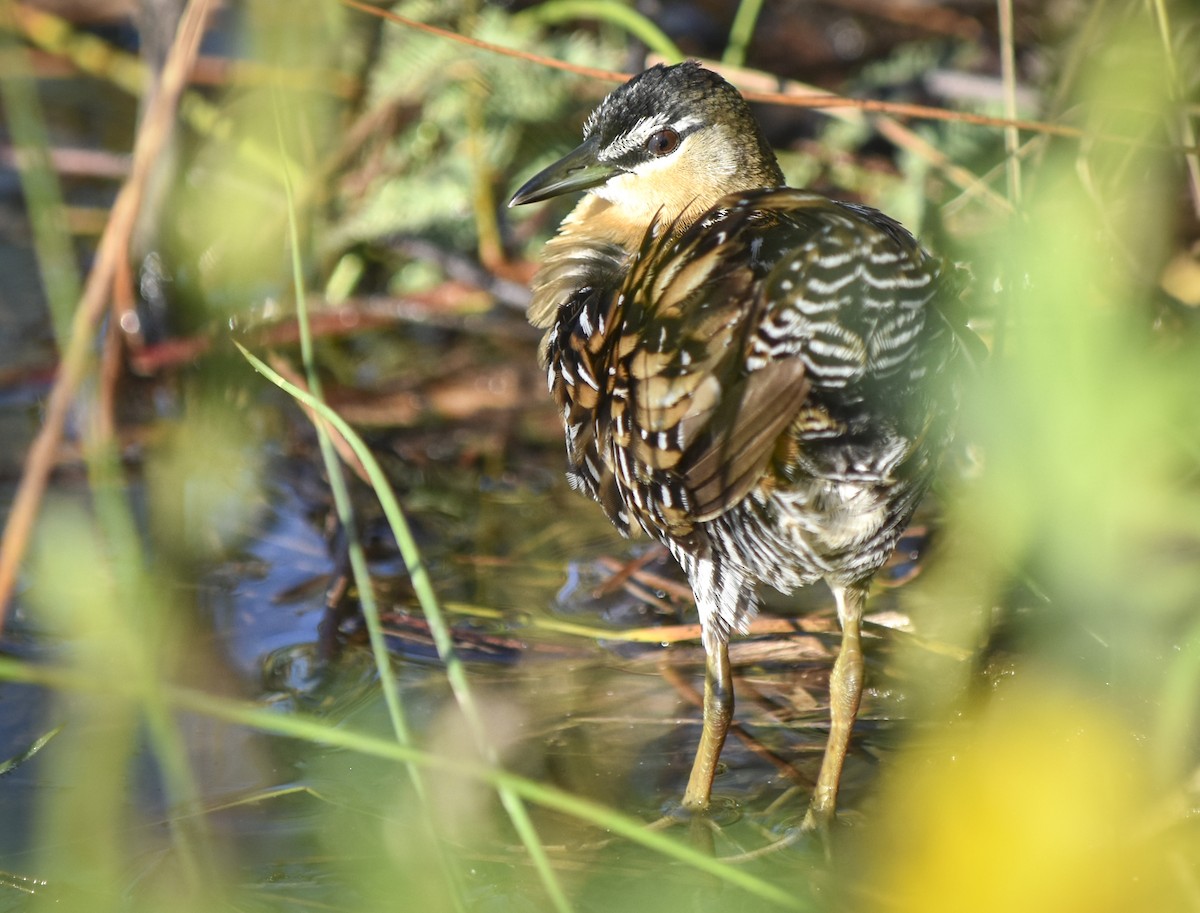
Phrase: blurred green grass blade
x=1008 y=77
x=333 y=469
x=344 y=506
x=320 y=732
x=153 y=628
x=382 y=488
x=556 y=12
x=1175 y=735
x=512 y=804
x=324 y=732
x=147 y=634
x=121 y=632
x=1178 y=95
x=455 y=671
x=24 y=883
x=43 y=195
x=741 y=32
x=8 y=766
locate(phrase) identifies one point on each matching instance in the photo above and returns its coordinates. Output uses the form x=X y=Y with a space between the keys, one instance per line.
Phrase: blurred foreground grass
x=1056 y=773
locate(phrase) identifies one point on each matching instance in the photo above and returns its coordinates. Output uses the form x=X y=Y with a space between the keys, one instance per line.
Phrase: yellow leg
x=718 y=711
x=845 y=692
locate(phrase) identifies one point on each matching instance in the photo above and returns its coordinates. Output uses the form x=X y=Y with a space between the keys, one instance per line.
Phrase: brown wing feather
x=730 y=458
x=702 y=428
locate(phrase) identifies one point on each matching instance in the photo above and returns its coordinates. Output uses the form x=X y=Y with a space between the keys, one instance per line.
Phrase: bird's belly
x=822 y=529
x=833 y=517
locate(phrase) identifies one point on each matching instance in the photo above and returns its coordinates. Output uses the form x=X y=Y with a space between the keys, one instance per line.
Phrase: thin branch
x=818 y=101
x=889 y=127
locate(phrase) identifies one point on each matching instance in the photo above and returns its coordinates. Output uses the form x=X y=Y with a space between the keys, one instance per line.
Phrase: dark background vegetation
x=226 y=682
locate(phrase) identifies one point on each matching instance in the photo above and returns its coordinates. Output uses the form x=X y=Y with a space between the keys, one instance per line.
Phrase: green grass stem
x=741 y=32
x=39 y=182
x=556 y=12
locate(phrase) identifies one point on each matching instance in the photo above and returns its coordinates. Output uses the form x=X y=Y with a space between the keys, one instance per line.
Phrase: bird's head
x=666 y=145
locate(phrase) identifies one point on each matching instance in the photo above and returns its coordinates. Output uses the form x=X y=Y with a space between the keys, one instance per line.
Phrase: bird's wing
x=693 y=426
x=857 y=299
x=722 y=466
x=781 y=319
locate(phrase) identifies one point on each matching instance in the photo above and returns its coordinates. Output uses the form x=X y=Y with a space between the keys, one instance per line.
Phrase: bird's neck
x=592 y=249
x=597 y=241
x=594 y=246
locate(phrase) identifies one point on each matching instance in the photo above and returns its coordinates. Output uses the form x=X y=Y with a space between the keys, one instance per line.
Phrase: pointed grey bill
x=579 y=169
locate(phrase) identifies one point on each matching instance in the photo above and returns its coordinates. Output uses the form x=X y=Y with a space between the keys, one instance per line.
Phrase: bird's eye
x=663 y=142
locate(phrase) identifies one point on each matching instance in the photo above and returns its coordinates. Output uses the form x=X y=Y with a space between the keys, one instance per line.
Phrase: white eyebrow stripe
x=632 y=138
x=637 y=135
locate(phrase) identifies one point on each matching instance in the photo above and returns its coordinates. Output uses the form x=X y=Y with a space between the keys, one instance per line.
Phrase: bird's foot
x=822 y=825
x=702 y=823
x=720 y=812
x=817 y=821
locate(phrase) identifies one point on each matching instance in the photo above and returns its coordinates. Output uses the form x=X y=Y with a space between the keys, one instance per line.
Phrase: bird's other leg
x=718 y=711
x=845 y=692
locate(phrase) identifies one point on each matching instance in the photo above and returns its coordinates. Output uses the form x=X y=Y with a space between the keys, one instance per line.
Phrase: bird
x=758 y=377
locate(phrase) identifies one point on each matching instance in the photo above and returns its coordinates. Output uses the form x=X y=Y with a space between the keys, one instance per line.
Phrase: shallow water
x=594 y=716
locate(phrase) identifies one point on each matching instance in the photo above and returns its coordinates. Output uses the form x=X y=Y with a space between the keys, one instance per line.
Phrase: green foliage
x=1042 y=796
x=223 y=225
x=470 y=122
x=1068 y=789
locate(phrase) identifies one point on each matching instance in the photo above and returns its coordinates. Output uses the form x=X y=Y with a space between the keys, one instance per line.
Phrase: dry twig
x=155 y=129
